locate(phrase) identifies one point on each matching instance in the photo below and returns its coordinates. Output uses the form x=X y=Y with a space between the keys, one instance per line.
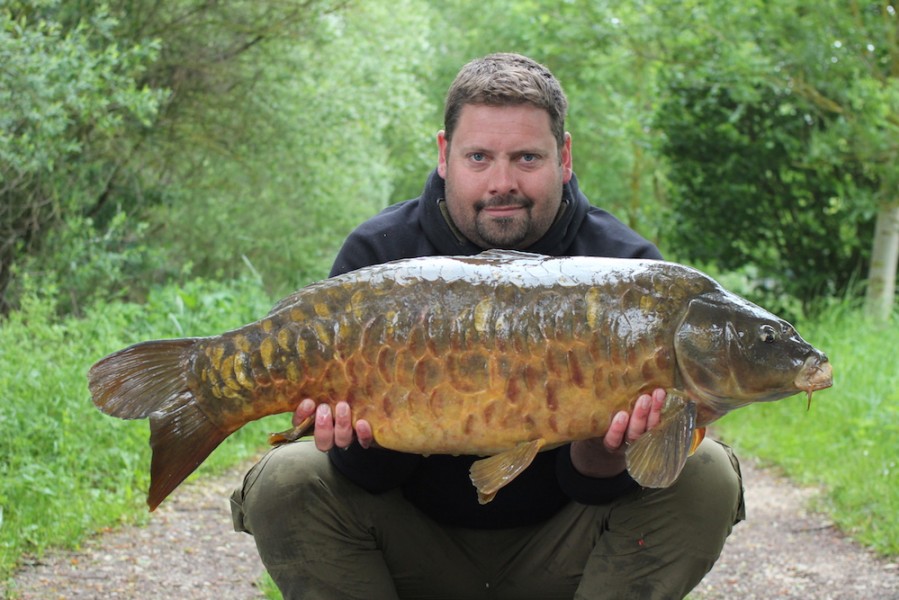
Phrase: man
x=363 y=522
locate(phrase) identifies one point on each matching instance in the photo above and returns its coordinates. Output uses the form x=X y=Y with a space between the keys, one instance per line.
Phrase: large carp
x=500 y=354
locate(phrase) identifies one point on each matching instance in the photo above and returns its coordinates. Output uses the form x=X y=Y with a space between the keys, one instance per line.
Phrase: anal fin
x=657 y=457
x=292 y=434
x=491 y=474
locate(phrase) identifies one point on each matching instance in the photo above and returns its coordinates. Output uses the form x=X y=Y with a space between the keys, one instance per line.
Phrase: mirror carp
x=501 y=355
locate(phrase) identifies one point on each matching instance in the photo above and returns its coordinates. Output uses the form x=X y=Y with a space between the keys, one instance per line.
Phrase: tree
x=335 y=122
x=835 y=62
x=854 y=76
x=97 y=102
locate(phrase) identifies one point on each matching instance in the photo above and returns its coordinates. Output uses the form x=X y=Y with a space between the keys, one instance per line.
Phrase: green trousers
x=322 y=537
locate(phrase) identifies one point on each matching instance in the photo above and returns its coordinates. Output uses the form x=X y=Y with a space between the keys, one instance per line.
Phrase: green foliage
x=61 y=88
x=268 y=587
x=780 y=127
x=743 y=192
x=845 y=66
x=269 y=130
x=89 y=265
x=67 y=469
x=846 y=442
x=68 y=98
x=262 y=132
x=321 y=151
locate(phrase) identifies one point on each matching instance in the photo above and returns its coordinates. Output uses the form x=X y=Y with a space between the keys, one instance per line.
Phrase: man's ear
x=567 y=163
x=442 y=153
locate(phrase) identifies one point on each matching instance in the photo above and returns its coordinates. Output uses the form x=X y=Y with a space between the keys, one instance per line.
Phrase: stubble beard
x=504 y=232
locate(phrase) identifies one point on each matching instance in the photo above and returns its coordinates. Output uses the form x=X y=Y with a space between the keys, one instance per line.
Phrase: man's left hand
x=604 y=457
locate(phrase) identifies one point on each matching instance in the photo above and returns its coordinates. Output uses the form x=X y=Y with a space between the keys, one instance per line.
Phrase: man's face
x=503 y=174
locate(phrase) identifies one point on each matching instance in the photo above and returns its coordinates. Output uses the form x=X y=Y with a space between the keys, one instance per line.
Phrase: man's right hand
x=333 y=429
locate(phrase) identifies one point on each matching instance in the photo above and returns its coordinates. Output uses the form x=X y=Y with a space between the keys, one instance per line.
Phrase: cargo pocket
x=237 y=510
x=237 y=496
x=735 y=463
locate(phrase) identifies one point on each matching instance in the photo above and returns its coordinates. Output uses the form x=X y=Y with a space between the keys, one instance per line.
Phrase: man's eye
x=476 y=156
x=529 y=158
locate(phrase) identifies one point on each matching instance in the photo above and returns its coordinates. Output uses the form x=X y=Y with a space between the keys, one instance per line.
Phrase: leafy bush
x=68 y=104
x=743 y=193
x=88 y=265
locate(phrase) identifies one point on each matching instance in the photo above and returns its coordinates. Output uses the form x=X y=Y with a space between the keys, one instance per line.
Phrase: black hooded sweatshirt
x=439 y=485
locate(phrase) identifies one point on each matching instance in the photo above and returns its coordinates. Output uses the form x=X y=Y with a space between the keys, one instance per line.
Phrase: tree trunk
x=884 y=258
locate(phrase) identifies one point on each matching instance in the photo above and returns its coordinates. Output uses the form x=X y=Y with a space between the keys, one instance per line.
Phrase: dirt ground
x=189 y=550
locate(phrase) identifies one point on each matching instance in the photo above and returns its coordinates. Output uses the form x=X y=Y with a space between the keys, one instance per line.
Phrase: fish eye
x=767 y=334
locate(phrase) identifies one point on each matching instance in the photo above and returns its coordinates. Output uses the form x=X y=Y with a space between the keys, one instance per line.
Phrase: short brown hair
x=506 y=79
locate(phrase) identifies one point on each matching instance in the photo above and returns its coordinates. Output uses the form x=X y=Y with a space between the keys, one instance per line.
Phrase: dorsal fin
x=502 y=253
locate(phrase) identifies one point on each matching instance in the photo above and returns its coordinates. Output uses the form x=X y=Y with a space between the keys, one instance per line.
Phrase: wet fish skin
x=457 y=361
x=501 y=354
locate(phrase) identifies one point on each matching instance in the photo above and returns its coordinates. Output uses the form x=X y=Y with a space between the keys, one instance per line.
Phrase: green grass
x=848 y=442
x=66 y=469
x=268 y=587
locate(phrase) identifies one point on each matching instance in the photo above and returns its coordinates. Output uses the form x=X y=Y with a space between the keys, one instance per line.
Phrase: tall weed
x=66 y=469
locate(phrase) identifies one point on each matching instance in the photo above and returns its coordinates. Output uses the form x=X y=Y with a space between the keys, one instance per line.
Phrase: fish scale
x=501 y=354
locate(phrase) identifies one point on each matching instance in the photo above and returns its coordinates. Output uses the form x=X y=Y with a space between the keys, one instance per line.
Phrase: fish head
x=731 y=352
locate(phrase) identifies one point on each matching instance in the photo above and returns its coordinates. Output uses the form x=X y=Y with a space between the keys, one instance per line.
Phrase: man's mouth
x=502 y=211
x=504 y=207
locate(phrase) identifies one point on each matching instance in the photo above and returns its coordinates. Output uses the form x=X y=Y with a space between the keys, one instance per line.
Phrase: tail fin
x=181 y=437
x=150 y=380
x=141 y=379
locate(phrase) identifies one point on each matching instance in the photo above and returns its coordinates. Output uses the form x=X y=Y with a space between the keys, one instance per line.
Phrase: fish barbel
x=501 y=355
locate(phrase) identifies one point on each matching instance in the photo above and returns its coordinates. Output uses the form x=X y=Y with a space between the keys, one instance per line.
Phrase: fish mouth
x=816 y=374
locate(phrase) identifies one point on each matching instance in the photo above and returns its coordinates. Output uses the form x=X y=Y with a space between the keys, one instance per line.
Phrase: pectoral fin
x=491 y=474
x=658 y=456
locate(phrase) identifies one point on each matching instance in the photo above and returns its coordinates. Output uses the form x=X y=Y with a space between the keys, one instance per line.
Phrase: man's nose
x=502 y=179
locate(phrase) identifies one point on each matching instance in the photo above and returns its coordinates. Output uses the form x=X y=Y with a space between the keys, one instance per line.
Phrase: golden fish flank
x=501 y=355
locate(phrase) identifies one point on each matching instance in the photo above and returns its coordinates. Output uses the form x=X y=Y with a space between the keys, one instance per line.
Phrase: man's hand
x=604 y=457
x=333 y=430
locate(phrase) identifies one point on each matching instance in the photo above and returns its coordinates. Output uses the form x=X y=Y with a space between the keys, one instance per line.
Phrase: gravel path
x=189 y=551
x=783 y=550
